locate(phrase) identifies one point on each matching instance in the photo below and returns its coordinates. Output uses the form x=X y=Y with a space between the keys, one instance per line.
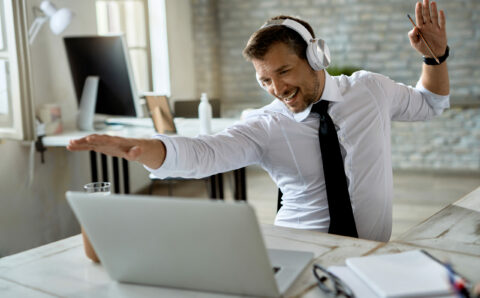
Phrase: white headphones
x=318 y=54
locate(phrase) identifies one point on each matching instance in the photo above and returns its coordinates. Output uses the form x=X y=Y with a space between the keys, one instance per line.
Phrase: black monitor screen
x=105 y=57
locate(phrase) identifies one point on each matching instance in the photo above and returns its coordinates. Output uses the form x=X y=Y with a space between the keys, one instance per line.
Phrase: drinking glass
x=99 y=188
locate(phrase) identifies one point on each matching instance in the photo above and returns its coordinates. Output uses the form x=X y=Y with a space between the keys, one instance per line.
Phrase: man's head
x=260 y=41
x=278 y=54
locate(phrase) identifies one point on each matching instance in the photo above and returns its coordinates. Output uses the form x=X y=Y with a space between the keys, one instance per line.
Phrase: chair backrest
x=189 y=108
x=161 y=114
x=279 y=199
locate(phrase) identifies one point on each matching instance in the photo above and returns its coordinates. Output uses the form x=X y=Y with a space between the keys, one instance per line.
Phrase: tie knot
x=321 y=107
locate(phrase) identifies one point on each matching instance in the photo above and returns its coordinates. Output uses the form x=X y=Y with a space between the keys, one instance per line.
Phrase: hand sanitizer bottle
x=205 y=115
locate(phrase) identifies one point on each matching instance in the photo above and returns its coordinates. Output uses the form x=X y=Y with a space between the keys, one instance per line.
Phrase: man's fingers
x=101 y=143
x=426 y=12
x=442 y=19
x=78 y=141
x=129 y=149
x=434 y=13
x=78 y=144
x=73 y=147
x=106 y=141
x=101 y=140
x=418 y=15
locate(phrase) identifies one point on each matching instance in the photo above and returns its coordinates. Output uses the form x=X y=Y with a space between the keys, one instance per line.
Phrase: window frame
x=22 y=126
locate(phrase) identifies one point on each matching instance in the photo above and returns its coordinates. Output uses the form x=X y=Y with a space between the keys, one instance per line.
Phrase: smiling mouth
x=291 y=96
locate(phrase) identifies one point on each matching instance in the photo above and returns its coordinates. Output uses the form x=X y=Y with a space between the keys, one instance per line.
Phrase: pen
x=459 y=283
x=424 y=41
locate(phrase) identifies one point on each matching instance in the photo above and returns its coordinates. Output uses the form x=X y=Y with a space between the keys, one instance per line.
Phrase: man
x=283 y=137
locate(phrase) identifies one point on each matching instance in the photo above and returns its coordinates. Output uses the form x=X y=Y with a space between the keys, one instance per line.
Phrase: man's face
x=289 y=77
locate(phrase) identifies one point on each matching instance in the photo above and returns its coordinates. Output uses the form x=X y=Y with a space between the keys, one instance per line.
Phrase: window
x=16 y=116
x=5 y=110
x=5 y=85
x=131 y=18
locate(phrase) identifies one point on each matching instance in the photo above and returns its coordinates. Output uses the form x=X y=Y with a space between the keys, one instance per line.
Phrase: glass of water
x=99 y=188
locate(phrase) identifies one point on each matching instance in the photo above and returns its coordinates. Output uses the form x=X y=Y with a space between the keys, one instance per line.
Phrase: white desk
x=188 y=127
x=61 y=269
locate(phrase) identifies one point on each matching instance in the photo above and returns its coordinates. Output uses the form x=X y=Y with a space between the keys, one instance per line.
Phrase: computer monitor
x=101 y=73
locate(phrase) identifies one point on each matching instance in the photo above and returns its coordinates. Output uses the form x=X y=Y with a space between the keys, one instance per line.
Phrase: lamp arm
x=35 y=28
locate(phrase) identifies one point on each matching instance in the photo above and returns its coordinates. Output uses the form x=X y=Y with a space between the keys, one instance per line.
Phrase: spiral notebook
x=406 y=274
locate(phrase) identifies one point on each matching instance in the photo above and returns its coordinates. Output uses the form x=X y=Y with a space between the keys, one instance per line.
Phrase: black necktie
x=342 y=221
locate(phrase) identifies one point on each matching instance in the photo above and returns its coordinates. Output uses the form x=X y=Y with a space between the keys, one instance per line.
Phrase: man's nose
x=278 y=88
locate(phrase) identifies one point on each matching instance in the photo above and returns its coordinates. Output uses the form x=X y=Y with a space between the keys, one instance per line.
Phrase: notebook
x=410 y=273
x=406 y=274
x=194 y=244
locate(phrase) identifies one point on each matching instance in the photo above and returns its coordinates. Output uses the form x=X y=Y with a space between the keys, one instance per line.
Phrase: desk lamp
x=59 y=19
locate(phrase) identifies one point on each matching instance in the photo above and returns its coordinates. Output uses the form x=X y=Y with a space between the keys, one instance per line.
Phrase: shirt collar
x=331 y=92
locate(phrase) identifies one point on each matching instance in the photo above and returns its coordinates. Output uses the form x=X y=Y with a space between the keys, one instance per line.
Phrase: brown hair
x=261 y=41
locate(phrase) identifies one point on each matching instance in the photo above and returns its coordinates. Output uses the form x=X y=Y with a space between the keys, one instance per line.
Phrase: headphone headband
x=296 y=26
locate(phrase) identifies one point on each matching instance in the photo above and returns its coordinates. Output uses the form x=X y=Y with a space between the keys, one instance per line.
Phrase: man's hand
x=149 y=152
x=432 y=25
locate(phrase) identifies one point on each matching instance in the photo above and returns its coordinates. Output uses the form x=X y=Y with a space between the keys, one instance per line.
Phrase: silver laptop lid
x=183 y=243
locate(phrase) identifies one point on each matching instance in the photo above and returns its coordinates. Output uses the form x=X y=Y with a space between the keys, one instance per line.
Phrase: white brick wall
x=369 y=34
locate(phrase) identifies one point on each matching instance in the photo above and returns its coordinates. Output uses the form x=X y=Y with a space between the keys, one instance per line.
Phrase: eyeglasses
x=330 y=284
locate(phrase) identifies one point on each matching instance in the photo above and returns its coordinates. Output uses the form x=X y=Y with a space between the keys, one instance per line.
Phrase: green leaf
x=339 y=70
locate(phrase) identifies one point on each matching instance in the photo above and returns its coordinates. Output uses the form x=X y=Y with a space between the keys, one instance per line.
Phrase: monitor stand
x=88 y=101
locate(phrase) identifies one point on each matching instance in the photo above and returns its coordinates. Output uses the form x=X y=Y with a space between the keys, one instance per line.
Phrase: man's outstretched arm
x=150 y=152
x=432 y=24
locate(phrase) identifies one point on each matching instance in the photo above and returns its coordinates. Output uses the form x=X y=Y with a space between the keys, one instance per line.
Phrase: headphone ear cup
x=260 y=83
x=312 y=59
x=318 y=54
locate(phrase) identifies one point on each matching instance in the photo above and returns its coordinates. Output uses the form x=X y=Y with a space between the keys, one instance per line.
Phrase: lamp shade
x=60 y=20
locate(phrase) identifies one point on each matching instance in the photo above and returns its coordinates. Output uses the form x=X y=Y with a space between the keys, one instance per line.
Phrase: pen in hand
x=424 y=41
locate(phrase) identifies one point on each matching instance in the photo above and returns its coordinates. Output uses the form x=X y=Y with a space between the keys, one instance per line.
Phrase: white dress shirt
x=286 y=145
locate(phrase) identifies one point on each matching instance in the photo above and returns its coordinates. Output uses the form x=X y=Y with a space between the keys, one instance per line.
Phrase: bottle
x=205 y=115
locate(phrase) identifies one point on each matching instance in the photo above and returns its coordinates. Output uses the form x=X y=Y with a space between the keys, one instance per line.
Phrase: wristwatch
x=431 y=61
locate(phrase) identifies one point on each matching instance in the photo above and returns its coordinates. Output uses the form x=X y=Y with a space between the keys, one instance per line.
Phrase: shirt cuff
x=436 y=101
x=170 y=157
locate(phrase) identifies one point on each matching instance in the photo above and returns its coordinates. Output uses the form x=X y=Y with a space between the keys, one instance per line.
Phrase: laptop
x=193 y=244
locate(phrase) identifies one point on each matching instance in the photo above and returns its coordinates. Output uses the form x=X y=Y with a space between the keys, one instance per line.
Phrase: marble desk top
x=60 y=269
x=454 y=228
